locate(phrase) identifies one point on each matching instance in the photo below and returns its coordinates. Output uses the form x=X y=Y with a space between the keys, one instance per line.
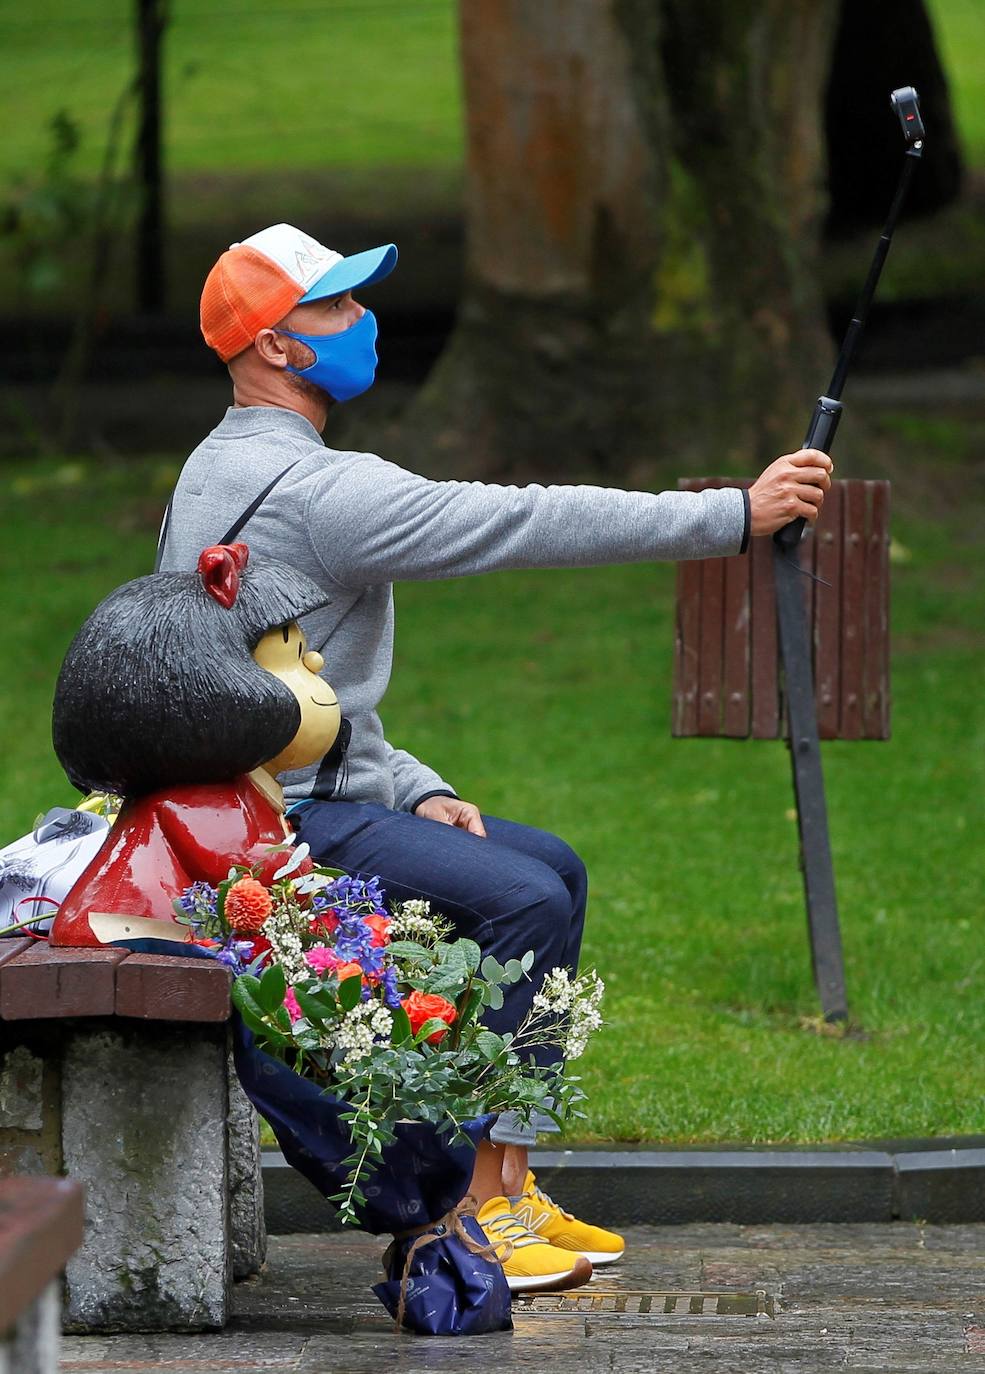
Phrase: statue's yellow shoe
x=541 y=1215
x=533 y=1265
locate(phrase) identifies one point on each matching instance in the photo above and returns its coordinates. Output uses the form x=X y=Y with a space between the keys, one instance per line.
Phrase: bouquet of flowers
x=361 y=1043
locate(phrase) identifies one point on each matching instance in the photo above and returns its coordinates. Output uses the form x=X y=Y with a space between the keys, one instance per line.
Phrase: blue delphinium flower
x=199 y=900
x=391 y=993
x=234 y=954
x=362 y=895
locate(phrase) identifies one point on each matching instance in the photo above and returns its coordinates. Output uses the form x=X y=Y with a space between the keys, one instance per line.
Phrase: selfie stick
x=794 y=631
x=827 y=412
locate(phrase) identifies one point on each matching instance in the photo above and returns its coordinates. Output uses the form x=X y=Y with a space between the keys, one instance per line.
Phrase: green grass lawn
x=250 y=86
x=545 y=697
x=301 y=84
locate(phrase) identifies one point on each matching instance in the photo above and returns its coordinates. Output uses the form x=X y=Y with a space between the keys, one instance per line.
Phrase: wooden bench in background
x=40 y=1228
x=115 y=1070
x=727 y=675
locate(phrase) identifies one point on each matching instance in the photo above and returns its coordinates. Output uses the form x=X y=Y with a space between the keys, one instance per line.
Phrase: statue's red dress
x=163 y=842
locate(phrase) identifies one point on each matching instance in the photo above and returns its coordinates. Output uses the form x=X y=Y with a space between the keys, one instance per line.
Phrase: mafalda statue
x=186 y=694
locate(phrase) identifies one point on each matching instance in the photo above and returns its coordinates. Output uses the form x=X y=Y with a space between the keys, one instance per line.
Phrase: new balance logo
x=531 y=1219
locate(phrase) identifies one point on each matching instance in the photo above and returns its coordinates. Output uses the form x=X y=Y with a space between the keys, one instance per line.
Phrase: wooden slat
x=158 y=987
x=827 y=615
x=710 y=667
x=765 y=713
x=852 y=608
x=686 y=651
x=41 y=1223
x=13 y=945
x=875 y=683
x=45 y=982
x=735 y=675
x=847 y=617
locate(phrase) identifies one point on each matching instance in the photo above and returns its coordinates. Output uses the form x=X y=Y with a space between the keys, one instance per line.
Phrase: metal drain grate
x=647 y=1303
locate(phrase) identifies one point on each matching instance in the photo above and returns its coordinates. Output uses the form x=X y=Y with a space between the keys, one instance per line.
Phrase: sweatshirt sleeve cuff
x=426 y=796
x=747 y=520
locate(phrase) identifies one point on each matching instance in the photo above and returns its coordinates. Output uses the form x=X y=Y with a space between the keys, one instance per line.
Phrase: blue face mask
x=345 y=364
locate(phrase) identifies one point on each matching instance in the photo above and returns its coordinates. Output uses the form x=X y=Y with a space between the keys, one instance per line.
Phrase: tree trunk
x=642 y=212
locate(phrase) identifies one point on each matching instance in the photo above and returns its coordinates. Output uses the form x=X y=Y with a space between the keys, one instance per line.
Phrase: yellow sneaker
x=534 y=1265
x=541 y=1215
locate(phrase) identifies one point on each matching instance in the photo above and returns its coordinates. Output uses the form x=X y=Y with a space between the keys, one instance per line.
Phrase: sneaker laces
x=548 y=1201
x=508 y=1226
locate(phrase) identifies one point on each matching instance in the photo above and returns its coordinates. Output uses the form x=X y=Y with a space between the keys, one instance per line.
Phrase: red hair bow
x=219 y=568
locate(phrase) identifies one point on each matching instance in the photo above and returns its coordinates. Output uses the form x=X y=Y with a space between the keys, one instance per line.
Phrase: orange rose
x=248 y=904
x=345 y=971
x=423 y=1006
x=380 y=926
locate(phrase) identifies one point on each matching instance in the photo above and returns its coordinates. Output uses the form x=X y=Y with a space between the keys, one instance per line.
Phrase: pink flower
x=291 y=1003
x=322 y=960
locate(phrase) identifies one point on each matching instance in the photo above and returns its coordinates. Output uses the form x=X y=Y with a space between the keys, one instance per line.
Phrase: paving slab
x=871 y=1297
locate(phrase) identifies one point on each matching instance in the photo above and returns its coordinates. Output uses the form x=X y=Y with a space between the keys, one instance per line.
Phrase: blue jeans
x=518 y=889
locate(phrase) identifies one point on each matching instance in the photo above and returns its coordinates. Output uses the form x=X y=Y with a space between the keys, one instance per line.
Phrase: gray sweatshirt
x=355 y=524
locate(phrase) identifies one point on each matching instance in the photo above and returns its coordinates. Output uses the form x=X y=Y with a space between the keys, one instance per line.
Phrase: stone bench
x=115 y=1069
x=40 y=1228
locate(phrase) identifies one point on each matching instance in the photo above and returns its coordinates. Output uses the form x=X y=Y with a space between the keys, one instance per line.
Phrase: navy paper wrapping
x=450 y=1292
x=424 y=1175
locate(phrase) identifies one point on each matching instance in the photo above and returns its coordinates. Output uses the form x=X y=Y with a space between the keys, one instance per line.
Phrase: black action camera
x=906 y=103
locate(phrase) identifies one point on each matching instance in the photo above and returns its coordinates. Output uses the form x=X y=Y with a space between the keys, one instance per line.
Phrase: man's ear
x=270 y=347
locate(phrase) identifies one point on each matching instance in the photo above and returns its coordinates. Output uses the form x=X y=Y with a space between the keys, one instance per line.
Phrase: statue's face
x=284 y=653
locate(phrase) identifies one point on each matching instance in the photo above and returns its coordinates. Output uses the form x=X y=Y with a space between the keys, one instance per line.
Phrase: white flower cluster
x=413 y=921
x=283 y=928
x=577 y=1000
x=359 y=1028
x=556 y=992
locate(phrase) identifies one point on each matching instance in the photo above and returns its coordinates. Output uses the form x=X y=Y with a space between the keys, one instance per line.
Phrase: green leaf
x=444 y=979
x=250 y=1011
x=244 y=995
x=350 y=991
x=273 y=986
x=527 y=962
x=493 y=997
x=409 y=949
x=317 y=1006
x=401 y=1027
x=513 y=970
x=471 y=1009
x=492 y=969
x=432 y=1024
x=471 y=952
x=490 y=1045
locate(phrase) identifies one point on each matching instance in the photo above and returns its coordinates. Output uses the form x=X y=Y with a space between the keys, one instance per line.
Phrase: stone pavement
x=867 y=1297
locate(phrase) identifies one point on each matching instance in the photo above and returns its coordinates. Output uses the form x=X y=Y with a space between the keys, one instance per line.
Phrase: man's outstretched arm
x=371 y=522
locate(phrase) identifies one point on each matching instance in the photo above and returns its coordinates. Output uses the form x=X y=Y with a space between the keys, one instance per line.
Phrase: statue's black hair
x=160 y=688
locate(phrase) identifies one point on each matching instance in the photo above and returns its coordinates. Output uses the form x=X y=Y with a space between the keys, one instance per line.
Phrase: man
x=278 y=309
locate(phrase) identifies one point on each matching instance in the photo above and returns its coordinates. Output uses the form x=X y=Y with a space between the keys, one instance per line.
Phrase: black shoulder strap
x=234 y=529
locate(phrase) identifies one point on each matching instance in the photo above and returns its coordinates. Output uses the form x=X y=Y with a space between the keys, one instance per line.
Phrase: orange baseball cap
x=255 y=283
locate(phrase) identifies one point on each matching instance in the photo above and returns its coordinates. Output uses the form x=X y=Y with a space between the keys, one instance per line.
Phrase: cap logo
x=303 y=258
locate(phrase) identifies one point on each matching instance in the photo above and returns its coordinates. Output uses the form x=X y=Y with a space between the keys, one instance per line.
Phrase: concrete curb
x=938 y=1182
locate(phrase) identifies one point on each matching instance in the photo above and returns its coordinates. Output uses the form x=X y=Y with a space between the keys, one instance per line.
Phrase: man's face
x=331 y=315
